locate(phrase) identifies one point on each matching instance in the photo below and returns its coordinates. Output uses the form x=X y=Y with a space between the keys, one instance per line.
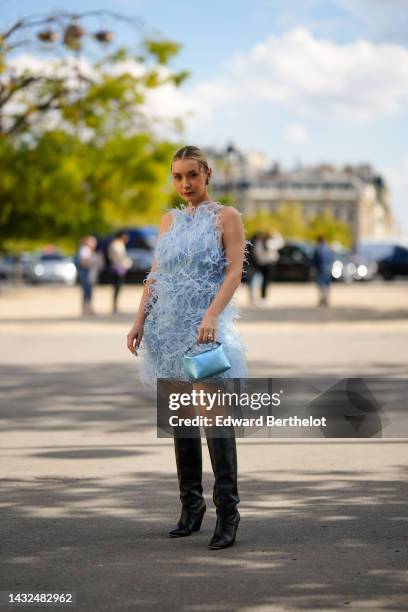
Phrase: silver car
x=51 y=267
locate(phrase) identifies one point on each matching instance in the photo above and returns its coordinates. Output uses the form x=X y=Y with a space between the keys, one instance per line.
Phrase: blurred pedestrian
x=266 y=254
x=252 y=275
x=120 y=263
x=86 y=262
x=322 y=262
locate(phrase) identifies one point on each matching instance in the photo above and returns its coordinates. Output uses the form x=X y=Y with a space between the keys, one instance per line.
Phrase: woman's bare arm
x=234 y=246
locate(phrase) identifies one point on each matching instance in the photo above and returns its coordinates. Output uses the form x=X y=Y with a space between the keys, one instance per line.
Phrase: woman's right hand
x=134 y=337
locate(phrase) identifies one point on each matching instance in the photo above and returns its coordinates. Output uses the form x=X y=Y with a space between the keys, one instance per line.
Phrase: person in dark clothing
x=266 y=254
x=87 y=266
x=322 y=262
x=251 y=272
x=120 y=264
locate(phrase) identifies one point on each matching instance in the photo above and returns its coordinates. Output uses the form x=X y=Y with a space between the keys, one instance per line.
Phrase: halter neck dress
x=191 y=265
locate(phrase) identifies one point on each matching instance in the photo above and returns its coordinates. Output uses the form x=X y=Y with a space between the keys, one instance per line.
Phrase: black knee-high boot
x=189 y=472
x=223 y=454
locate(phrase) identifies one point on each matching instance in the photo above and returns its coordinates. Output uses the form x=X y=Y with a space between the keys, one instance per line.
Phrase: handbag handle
x=195 y=342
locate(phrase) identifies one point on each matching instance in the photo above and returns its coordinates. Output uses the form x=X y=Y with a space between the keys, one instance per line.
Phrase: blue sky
x=308 y=80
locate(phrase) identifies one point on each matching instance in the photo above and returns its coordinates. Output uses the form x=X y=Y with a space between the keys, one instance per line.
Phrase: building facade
x=354 y=194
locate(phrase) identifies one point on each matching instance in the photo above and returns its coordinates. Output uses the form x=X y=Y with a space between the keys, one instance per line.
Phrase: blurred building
x=354 y=194
x=234 y=170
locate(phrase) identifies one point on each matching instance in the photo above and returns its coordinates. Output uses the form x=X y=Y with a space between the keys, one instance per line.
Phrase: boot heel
x=224 y=534
x=197 y=524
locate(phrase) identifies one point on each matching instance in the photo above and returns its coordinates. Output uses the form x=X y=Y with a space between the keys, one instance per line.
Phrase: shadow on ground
x=302 y=545
x=326 y=540
x=109 y=397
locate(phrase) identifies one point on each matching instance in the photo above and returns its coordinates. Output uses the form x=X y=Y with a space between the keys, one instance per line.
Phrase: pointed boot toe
x=224 y=534
x=189 y=522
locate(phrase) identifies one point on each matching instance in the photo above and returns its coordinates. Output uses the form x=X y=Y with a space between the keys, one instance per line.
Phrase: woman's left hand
x=207 y=330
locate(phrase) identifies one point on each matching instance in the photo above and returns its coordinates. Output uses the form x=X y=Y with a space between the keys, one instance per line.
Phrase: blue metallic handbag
x=206 y=364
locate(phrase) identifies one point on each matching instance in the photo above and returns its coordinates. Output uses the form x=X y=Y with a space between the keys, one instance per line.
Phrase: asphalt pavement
x=89 y=492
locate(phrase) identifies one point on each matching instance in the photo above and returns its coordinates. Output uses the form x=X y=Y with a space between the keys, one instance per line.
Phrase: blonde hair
x=191 y=152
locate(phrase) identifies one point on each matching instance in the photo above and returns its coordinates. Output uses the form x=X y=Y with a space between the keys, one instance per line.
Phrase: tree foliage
x=78 y=151
x=290 y=221
x=63 y=187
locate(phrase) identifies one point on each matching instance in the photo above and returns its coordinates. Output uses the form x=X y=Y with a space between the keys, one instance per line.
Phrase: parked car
x=363 y=268
x=295 y=262
x=51 y=266
x=7 y=266
x=373 y=252
x=396 y=264
x=377 y=249
x=15 y=265
x=140 y=249
x=349 y=267
x=343 y=268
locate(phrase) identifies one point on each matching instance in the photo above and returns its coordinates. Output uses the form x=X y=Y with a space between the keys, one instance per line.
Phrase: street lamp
x=104 y=36
x=47 y=36
x=64 y=29
x=73 y=35
x=231 y=158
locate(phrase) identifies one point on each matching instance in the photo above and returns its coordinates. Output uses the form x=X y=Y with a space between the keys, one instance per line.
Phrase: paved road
x=88 y=491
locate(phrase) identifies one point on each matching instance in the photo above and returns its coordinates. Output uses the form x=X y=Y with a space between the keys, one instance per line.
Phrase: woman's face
x=189 y=179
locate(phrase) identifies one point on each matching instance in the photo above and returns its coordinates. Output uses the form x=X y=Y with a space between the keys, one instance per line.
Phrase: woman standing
x=188 y=297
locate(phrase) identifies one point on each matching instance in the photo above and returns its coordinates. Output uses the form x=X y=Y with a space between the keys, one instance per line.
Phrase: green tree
x=93 y=95
x=290 y=221
x=62 y=188
x=260 y=222
x=331 y=228
x=88 y=161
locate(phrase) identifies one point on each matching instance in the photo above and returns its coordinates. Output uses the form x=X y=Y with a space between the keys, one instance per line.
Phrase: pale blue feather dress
x=191 y=266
